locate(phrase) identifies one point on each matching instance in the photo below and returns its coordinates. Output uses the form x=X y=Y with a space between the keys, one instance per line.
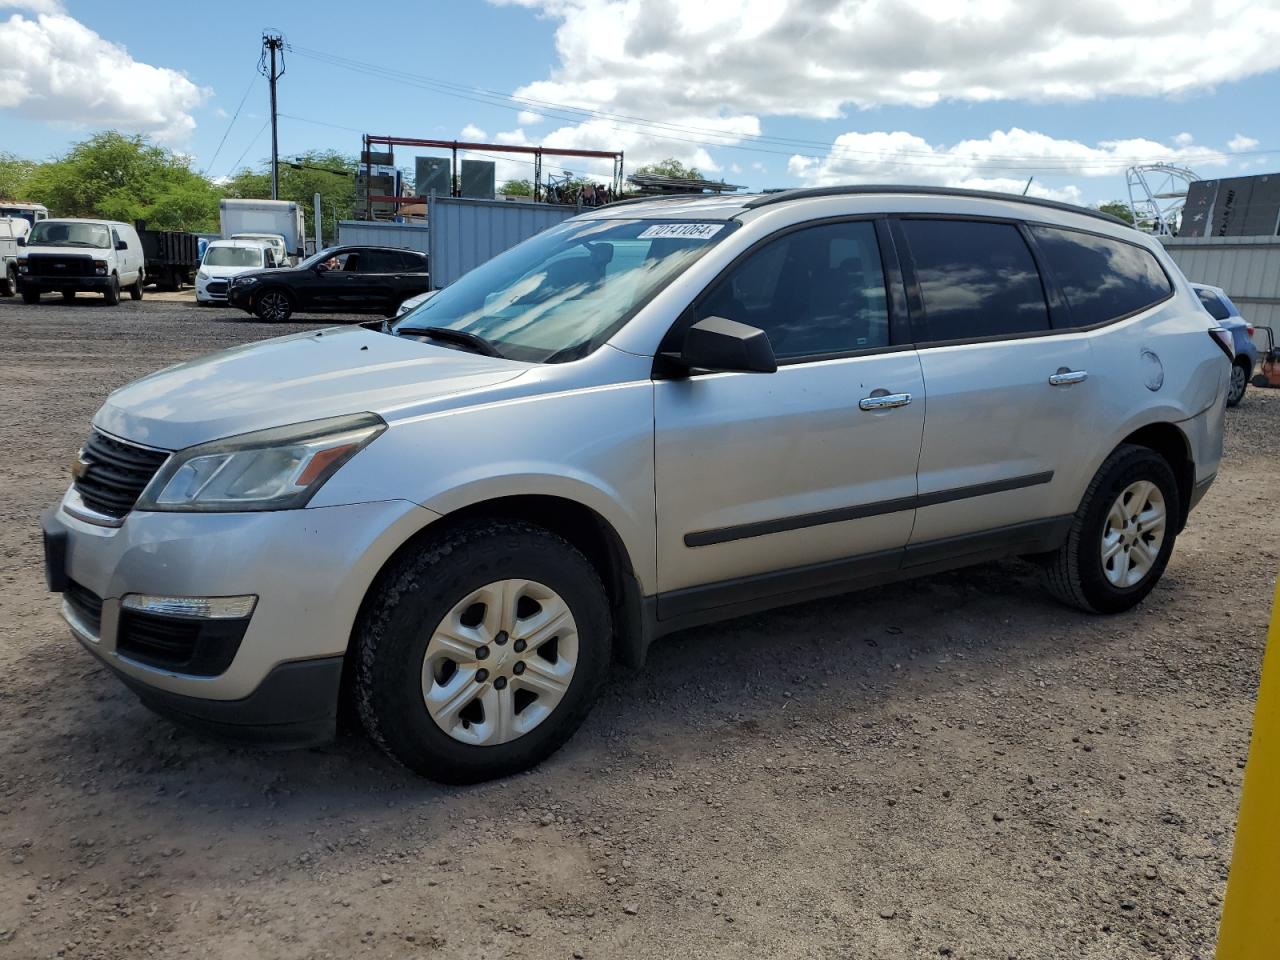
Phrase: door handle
x=884 y=401
x=1065 y=377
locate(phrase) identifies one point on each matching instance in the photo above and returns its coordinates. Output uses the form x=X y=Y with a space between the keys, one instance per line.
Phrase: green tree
x=517 y=188
x=14 y=174
x=1118 y=208
x=121 y=177
x=326 y=172
x=670 y=167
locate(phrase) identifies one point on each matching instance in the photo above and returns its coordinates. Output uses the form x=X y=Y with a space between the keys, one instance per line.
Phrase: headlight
x=244 y=281
x=276 y=469
x=201 y=275
x=101 y=267
x=22 y=266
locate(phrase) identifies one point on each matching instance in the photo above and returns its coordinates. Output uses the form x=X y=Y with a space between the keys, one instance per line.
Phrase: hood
x=306 y=376
x=92 y=253
x=223 y=272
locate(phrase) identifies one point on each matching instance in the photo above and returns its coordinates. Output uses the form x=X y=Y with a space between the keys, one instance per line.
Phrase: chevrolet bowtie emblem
x=79 y=466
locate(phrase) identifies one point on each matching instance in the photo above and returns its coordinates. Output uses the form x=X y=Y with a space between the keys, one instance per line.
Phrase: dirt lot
x=951 y=767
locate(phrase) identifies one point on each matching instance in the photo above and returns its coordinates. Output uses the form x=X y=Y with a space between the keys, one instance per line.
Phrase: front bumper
x=241 y=296
x=46 y=284
x=212 y=290
x=310 y=570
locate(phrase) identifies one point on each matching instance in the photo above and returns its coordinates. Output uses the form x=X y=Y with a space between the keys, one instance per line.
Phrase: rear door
x=1009 y=397
x=772 y=483
x=378 y=276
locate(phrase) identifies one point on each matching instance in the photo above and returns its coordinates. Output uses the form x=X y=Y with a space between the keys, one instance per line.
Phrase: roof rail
x=664 y=196
x=803 y=193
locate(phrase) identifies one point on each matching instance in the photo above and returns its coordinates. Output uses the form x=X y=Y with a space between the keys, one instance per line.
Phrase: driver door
x=769 y=484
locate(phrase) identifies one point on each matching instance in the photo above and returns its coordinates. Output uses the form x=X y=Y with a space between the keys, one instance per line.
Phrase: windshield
x=233 y=257
x=51 y=233
x=562 y=293
x=328 y=253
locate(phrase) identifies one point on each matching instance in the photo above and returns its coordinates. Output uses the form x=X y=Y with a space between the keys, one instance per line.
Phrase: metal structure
x=273 y=46
x=537 y=153
x=384 y=233
x=657 y=186
x=1248 y=268
x=464 y=233
x=1157 y=193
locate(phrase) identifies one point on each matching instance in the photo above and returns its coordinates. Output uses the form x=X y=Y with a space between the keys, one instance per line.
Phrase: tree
x=326 y=172
x=1118 y=208
x=670 y=167
x=517 y=188
x=14 y=174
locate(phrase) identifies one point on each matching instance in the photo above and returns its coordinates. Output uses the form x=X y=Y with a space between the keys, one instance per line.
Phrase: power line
x=720 y=138
x=236 y=166
x=234 y=117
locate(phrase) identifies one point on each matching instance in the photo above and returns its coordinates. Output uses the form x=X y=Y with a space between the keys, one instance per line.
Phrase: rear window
x=1213 y=303
x=976 y=279
x=1102 y=279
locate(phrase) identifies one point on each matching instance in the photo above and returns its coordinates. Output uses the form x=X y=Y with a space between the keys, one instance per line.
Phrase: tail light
x=1223 y=339
x=1249 y=329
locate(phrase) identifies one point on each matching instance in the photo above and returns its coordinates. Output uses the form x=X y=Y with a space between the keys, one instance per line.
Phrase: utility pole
x=273 y=44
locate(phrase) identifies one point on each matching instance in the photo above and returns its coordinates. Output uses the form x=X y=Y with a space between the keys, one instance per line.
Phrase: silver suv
x=655 y=415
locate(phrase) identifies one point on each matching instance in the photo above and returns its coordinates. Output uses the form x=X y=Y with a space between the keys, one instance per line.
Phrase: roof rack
x=657 y=198
x=803 y=193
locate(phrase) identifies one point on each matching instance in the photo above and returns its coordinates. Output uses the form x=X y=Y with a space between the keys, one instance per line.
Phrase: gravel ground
x=954 y=767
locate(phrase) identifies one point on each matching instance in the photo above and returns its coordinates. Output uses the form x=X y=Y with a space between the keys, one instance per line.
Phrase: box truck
x=266 y=220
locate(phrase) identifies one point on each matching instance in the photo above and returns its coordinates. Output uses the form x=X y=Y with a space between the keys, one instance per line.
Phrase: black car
x=338 y=279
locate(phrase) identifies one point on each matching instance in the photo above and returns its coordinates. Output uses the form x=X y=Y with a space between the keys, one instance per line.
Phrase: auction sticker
x=685 y=231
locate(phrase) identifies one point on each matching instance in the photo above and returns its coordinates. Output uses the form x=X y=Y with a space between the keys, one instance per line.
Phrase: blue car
x=1221 y=308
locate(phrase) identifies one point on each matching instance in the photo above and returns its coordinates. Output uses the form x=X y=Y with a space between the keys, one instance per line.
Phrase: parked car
x=1221 y=308
x=413 y=302
x=12 y=229
x=346 y=279
x=279 y=249
x=73 y=256
x=224 y=260
x=651 y=416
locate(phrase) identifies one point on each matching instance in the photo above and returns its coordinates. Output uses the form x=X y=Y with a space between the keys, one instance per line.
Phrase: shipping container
x=1247 y=268
x=464 y=233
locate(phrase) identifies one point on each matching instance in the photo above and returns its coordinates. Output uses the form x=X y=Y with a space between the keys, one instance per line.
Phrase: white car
x=72 y=256
x=273 y=240
x=224 y=259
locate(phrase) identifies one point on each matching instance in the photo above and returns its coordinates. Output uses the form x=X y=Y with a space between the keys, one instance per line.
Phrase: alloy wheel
x=1238 y=380
x=499 y=662
x=274 y=306
x=1133 y=534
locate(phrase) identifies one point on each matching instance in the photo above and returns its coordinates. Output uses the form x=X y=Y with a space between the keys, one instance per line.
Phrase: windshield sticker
x=685 y=231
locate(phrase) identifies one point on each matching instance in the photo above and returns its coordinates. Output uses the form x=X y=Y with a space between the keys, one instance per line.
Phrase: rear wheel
x=481 y=654
x=9 y=286
x=68 y=295
x=1121 y=536
x=1239 y=382
x=30 y=296
x=112 y=294
x=273 y=306
x=135 y=291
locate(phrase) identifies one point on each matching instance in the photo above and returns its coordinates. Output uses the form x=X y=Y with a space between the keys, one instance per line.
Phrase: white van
x=70 y=256
x=224 y=259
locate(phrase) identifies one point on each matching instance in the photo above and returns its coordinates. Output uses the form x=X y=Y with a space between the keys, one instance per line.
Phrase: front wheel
x=273 y=306
x=1239 y=381
x=481 y=654
x=111 y=296
x=1121 y=536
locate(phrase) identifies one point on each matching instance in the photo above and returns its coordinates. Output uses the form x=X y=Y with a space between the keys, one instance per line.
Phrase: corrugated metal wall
x=465 y=233
x=1248 y=268
x=376 y=233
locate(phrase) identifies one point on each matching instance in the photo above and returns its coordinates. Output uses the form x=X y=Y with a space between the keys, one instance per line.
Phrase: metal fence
x=465 y=232
x=1248 y=268
x=377 y=233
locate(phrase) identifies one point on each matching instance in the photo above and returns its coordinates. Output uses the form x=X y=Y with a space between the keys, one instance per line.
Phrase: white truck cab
x=224 y=259
x=70 y=256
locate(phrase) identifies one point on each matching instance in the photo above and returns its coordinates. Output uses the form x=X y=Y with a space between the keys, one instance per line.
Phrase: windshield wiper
x=476 y=343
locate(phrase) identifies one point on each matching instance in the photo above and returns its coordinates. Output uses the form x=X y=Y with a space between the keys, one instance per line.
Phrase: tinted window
x=1101 y=278
x=415 y=262
x=1217 y=309
x=976 y=279
x=377 y=261
x=816 y=291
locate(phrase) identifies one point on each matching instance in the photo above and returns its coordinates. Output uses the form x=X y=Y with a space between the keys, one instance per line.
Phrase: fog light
x=205 y=608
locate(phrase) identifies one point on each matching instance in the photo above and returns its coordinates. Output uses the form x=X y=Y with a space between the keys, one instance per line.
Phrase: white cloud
x=987 y=164
x=54 y=68
x=1241 y=142
x=1183 y=139
x=473 y=133
x=659 y=58
x=527 y=118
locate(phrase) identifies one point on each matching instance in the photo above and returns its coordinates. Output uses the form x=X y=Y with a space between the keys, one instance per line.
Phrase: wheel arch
x=1168 y=440
x=583 y=527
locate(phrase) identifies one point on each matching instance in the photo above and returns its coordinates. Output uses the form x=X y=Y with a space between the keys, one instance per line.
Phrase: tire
x=9 y=287
x=273 y=306
x=135 y=290
x=393 y=646
x=1076 y=574
x=30 y=296
x=111 y=296
x=68 y=296
x=1238 y=384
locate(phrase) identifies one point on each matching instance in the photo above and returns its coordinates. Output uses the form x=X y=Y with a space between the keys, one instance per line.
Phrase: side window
x=976 y=279
x=815 y=292
x=411 y=262
x=1217 y=309
x=115 y=238
x=1102 y=279
x=377 y=261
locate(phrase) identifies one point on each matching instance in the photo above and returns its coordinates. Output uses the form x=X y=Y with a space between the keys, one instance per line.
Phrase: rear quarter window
x=1101 y=278
x=1213 y=303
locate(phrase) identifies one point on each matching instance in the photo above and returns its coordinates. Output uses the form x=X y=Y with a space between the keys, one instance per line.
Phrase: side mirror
x=22 y=241
x=719 y=344
x=121 y=245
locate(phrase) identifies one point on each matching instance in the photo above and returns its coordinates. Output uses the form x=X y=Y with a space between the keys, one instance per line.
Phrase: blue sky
x=756 y=92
